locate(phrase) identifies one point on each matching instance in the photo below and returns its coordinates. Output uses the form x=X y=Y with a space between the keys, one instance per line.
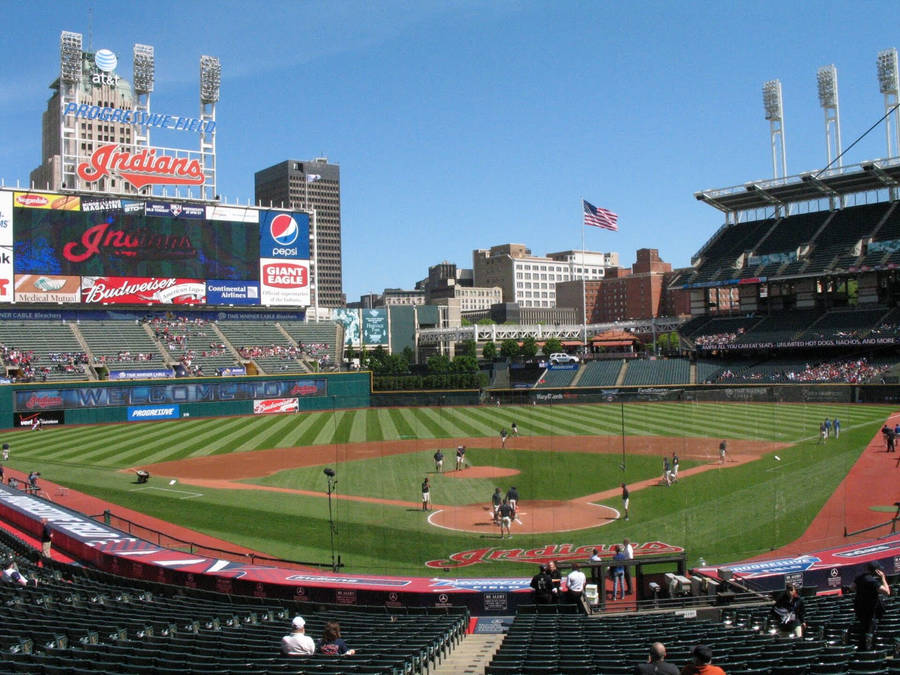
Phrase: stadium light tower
x=775 y=115
x=826 y=79
x=889 y=84
x=210 y=81
x=69 y=92
x=144 y=75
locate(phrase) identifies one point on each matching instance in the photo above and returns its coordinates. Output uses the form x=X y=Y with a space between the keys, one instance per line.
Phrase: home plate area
x=532 y=517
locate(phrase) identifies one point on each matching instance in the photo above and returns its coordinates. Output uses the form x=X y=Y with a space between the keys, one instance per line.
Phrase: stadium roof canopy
x=864 y=177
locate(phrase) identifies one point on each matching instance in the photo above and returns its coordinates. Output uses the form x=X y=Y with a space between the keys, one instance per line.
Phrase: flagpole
x=583 y=291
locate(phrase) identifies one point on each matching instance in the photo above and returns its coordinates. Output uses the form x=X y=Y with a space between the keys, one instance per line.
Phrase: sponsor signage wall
x=284 y=282
x=70 y=249
x=46 y=417
x=165 y=412
x=31 y=400
x=142 y=291
x=47 y=288
x=143 y=374
x=268 y=406
x=375 y=327
x=226 y=292
x=349 y=319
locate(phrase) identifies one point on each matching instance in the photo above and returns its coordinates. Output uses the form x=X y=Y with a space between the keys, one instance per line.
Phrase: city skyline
x=465 y=125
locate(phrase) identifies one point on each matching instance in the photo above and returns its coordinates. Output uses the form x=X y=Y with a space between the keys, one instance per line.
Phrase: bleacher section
x=556 y=378
x=780 y=327
x=318 y=340
x=76 y=620
x=51 y=348
x=194 y=345
x=264 y=343
x=657 y=371
x=600 y=373
x=121 y=345
x=847 y=323
x=741 y=642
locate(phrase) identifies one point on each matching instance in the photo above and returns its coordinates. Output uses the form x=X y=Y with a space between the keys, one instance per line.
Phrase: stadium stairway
x=472 y=655
x=622 y=373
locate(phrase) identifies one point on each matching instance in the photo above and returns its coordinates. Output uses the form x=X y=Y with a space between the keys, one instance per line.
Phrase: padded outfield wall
x=102 y=402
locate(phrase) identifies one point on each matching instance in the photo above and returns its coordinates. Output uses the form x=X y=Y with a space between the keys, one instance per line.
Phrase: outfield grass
x=722 y=515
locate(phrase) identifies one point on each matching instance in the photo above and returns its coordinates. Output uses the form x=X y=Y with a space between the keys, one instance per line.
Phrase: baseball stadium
x=182 y=477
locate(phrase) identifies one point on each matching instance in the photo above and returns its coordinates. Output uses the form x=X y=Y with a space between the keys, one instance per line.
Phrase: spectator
x=556 y=577
x=332 y=643
x=46 y=538
x=619 y=573
x=701 y=663
x=628 y=549
x=789 y=612
x=542 y=584
x=575 y=584
x=12 y=575
x=298 y=643
x=867 y=603
x=656 y=662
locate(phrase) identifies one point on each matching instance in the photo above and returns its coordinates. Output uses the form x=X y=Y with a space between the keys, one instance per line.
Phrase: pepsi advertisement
x=283 y=235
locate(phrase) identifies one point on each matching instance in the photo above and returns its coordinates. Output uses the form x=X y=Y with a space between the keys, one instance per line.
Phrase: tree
x=528 y=348
x=438 y=364
x=552 y=346
x=408 y=354
x=464 y=364
x=467 y=348
x=489 y=351
x=509 y=348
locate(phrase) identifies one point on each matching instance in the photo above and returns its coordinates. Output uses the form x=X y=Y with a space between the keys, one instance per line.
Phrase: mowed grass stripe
x=260 y=438
x=385 y=424
x=434 y=421
x=401 y=424
x=313 y=430
x=294 y=437
x=462 y=427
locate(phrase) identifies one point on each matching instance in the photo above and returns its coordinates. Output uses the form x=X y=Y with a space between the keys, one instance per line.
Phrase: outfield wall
x=144 y=400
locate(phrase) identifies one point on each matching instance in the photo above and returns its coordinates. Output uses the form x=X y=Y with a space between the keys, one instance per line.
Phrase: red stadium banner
x=269 y=406
x=142 y=291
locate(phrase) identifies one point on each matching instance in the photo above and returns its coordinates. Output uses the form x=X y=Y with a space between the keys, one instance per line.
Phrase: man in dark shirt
x=542 y=583
x=867 y=605
x=656 y=662
x=46 y=537
x=506 y=514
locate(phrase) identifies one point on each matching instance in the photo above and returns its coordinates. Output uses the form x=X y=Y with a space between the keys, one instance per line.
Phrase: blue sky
x=462 y=125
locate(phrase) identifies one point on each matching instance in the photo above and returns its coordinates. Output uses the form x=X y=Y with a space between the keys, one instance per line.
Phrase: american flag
x=600 y=217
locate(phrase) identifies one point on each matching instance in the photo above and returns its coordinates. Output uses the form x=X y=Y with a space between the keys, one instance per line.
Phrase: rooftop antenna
x=91 y=27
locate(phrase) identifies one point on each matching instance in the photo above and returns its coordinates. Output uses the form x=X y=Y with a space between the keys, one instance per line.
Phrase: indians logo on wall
x=142 y=168
x=544 y=554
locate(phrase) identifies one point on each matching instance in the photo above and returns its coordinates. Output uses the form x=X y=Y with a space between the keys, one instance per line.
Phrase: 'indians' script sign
x=544 y=554
x=143 y=168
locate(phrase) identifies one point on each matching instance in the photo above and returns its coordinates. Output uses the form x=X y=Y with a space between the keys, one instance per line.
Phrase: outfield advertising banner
x=141 y=413
x=268 y=406
x=142 y=374
x=142 y=291
x=284 y=282
x=375 y=329
x=175 y=210
x=39 y=420
x=284 y=235
x=349 y=319
x=225 y=292
x=47 y=288
x=6 y=274
x=169 y=393
x=47 y=200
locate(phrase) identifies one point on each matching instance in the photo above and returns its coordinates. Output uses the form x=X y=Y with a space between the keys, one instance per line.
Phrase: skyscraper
x=314 y=184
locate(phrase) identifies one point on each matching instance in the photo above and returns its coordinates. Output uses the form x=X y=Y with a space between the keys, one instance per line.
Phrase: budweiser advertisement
x=47 y=200
x=142 y=291
x=284 y=282
x=141 y=168
x=47 y=288
x=269 y=406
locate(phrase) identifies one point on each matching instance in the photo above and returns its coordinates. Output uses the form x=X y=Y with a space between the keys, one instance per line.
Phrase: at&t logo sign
x=106 y=63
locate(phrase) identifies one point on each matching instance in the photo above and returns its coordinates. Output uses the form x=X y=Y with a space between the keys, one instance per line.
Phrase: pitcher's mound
x=482 y=472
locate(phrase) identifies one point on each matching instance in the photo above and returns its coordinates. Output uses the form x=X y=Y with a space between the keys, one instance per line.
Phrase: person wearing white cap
x=298 y=643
